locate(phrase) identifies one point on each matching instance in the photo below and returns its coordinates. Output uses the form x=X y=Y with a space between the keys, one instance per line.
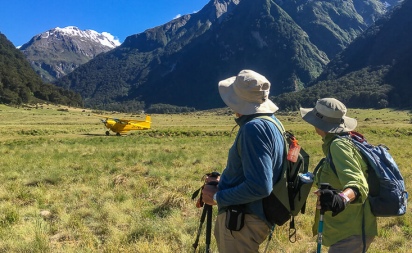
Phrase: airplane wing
x=130 y=120
x=108 y=118
x=126 y=120
x=148 y=119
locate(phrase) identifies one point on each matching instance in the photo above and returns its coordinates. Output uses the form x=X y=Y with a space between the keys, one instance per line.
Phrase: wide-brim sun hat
x=329 y=115
x=247 y=93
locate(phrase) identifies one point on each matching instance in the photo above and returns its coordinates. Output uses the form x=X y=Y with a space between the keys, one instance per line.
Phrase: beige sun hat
x=247 y=93
x=329 y=115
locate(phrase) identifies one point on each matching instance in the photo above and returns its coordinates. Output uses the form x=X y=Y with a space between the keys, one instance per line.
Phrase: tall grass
x=65 y=187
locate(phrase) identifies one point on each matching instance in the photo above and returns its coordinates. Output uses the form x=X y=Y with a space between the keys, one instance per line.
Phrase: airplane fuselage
x=122 y=126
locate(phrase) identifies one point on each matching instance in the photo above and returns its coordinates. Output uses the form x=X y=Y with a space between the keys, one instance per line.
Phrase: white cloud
x=112 y=38
x=179 y=15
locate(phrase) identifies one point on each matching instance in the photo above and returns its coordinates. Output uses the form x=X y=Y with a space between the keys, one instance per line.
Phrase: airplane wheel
x=107 y=133
x=117 y=134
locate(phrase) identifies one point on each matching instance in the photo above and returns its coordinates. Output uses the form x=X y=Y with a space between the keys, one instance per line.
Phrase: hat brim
x=228 y=95
x=349 y=124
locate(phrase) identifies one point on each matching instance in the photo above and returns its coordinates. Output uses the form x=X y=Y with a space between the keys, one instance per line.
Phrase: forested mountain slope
x=181 y=62
x=374 y=71
x=20 y=84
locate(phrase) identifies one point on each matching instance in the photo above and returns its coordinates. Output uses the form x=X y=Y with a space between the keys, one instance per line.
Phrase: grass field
x=66 y=187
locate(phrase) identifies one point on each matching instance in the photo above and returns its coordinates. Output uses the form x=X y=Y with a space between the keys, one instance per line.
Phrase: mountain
x=20 y=84
x=332 y=25
x=59 y=51
x=181 y=62
x=374 y=71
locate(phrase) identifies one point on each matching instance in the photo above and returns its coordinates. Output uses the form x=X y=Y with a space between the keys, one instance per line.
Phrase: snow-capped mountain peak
x=104 y=38
x=58 y=51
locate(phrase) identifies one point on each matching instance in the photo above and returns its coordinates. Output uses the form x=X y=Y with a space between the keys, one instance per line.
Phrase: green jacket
x=351 y=170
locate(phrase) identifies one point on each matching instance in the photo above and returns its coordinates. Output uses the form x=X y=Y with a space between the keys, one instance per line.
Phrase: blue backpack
x=387 y=193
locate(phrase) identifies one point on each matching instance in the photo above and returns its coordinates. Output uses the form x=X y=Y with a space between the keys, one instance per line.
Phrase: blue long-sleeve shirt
x=253 y=166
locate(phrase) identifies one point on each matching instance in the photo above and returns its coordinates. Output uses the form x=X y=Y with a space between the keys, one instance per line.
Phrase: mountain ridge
x=181 y=61
x=58 y=51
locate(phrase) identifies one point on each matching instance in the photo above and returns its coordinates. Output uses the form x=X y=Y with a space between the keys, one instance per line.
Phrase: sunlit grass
x=66 y=187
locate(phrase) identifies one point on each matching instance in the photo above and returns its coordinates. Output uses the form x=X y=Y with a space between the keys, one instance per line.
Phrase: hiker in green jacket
x=349 y=225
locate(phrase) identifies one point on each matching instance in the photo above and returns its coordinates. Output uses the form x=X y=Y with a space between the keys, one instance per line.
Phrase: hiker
x=348 y=219
x=254 y=164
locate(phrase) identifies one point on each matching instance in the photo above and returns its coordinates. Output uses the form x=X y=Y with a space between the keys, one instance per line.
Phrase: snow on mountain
x=104 y=38
x=57 y=52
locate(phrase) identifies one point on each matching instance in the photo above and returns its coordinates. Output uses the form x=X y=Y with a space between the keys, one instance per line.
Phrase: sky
x=20 y=20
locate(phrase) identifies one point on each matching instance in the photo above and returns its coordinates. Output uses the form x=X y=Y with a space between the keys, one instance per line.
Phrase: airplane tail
x=147 y=122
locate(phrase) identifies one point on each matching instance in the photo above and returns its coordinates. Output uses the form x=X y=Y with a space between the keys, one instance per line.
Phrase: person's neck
x=245 y=118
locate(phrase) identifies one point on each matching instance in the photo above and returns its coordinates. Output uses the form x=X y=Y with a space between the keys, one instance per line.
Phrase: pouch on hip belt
x=235 y=218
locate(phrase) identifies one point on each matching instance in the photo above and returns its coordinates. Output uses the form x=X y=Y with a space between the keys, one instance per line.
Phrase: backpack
x=387 y=193
x=290 y=192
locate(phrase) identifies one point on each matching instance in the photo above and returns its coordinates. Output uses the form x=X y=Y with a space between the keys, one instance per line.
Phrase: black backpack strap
x=330 y=161
x=315 y=171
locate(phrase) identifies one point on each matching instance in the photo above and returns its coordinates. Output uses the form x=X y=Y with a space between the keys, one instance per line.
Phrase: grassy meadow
x=66 y=187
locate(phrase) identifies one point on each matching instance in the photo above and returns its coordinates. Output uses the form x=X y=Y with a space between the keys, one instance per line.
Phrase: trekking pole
x=269 y=238
x=208 y=227
x=320 y=225
x=199 y=230
x=320 y=231
x=207 y=211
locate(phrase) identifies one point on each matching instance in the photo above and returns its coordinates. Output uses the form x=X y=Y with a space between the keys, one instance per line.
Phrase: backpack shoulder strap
x=320 y=163
x=280 y=127
x=277 y=123
x=329 y=155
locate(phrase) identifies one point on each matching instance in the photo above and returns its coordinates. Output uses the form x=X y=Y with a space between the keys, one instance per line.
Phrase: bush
x=168 y=109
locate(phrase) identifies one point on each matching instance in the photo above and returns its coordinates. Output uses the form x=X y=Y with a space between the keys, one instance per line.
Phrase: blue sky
x=20 y=20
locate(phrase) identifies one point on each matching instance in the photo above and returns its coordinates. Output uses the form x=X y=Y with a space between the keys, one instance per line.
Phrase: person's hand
x=329 y=200
x=207 y=193
x=212 y=177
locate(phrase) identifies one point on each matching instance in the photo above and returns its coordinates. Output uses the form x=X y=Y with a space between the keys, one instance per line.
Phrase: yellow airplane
x=122 y=126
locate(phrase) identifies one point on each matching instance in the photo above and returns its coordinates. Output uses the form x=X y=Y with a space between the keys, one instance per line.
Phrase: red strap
x=359 y=137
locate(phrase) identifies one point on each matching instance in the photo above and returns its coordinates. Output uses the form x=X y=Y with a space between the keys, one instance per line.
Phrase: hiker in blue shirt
x=254 y=164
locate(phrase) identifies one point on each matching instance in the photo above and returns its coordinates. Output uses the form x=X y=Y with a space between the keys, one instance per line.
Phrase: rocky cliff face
x=59 y=51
